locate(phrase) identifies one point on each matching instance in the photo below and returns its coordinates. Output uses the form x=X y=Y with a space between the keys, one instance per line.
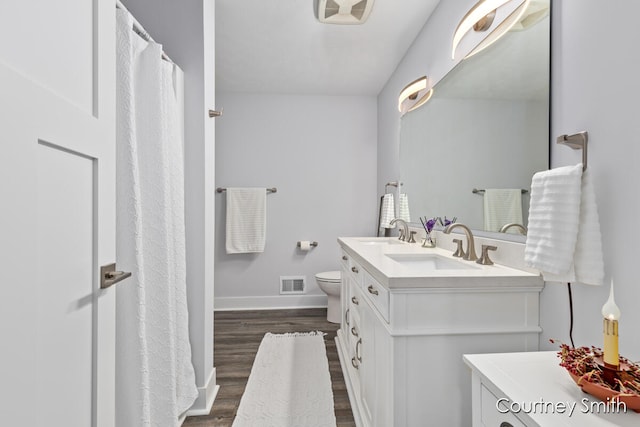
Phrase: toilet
x=330 y=282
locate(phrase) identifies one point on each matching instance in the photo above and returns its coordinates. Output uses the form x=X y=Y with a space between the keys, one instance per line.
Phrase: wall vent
x=292 y=284
x=342 y=11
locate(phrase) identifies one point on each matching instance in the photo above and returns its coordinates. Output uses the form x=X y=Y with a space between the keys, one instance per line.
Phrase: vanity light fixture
x=414 y=95
x=481 y=18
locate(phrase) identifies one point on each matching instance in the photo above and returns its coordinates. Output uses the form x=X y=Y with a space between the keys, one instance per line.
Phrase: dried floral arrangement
x=585 y=366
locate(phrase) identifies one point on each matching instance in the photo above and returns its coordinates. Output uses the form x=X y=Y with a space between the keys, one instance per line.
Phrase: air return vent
x=342 y=11
x=292 y=284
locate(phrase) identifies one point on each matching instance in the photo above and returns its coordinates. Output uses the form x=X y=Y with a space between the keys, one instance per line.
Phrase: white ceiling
x=278 y=46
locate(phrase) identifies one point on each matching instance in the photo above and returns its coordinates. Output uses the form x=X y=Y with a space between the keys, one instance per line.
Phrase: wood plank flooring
x=237 y=335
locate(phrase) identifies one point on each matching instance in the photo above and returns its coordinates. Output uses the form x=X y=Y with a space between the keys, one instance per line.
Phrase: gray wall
x=186 y=31
x=320 y=152
x=594 y=88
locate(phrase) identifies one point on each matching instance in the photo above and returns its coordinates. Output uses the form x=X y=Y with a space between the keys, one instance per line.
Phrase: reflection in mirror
x=486 y=127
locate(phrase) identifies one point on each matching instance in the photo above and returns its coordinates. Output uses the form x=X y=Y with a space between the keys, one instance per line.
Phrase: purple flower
x=430 y=224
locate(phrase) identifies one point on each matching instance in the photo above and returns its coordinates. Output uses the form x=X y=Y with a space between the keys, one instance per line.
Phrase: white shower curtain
x=155 y=379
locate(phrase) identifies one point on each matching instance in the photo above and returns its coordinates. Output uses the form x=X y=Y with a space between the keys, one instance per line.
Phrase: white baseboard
x=270 y=303
x=206 y=396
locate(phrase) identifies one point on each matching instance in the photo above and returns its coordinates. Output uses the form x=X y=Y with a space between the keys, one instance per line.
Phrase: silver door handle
x=215 y=113
x=109 y=276
x=372 y=290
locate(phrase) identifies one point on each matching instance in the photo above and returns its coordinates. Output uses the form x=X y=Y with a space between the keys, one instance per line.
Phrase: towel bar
x=269 y=190
x=481 y=191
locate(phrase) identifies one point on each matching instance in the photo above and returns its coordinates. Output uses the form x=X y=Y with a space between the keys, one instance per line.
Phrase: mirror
x=485 y=127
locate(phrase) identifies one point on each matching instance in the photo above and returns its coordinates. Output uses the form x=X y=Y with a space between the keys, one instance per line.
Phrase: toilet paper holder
x=314 y=244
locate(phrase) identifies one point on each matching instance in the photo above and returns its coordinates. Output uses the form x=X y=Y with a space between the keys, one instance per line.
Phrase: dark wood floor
x=237 y=335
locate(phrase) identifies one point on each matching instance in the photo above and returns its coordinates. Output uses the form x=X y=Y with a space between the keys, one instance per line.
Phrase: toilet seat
x=330 y=276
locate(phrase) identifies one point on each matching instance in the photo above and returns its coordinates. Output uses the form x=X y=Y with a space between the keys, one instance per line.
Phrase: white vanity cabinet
x=533 y=390
x=405 y=367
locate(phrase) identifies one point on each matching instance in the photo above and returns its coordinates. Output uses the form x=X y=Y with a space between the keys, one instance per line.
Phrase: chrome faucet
x=405 y=228
x=520 y=227
x=470 y=253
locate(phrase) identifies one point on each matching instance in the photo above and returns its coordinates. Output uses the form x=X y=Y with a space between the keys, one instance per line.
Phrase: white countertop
x=537 y=377
x=372 y=253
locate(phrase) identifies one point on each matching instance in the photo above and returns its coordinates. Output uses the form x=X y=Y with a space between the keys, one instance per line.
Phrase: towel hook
x=576 y=141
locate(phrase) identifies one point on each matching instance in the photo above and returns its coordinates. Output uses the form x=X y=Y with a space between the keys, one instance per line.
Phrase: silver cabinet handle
x=358 y=344
x=354 y=269
x=109 y=276
x=344 y=257
x=346 y=316
x=353 y=331
x=355 y=300
x=354 y=363
x=506 y=424
x=372 y=290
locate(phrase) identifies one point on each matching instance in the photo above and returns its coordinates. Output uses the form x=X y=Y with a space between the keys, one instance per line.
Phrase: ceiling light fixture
x=493 y=17
x=342 y=11
x=414 y=95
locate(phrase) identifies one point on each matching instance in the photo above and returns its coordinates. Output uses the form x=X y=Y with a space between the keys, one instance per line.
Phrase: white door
x=57 y=198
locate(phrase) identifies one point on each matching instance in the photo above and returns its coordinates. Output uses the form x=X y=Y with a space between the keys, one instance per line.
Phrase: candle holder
x=611 y=374
x=612 y=385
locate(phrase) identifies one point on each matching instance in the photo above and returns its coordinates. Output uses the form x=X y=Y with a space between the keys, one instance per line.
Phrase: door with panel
x=57 y=186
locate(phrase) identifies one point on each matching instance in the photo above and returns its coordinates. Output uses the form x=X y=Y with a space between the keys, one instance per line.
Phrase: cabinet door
x=367 y=357
x=383 y=410
x=344 y=300
x=375 y=367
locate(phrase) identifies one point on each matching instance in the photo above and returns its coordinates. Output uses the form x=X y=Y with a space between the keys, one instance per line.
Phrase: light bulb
x=610 y=310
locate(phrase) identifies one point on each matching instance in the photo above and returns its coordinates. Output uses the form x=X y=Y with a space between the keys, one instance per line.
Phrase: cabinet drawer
x=355 y=299
x=377 y=294
x=492 y=416
x=344 y=260
x=356 y=271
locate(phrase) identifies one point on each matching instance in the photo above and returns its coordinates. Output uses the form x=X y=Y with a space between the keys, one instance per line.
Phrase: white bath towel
x=403 y=208
x=563 y=240
x=502 y=206
x=246 y=220
x=388 y=210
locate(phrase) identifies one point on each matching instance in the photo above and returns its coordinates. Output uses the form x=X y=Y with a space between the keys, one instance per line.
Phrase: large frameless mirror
x=486 y=127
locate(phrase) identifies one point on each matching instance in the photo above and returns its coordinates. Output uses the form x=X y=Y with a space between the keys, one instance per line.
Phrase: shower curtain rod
x=139 y=30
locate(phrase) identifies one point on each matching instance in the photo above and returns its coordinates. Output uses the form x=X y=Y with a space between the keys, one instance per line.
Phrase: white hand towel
x=246 y=220
x=403 y=208
x=563 y=240
x=388 y=211
x=502 y=206
x=588 y=259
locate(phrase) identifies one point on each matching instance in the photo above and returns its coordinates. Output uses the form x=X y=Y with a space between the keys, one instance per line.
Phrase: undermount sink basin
x=431 y=262
x=380 y=241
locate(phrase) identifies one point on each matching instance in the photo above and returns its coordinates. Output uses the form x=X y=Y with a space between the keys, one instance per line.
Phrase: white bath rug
x=289 y=384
